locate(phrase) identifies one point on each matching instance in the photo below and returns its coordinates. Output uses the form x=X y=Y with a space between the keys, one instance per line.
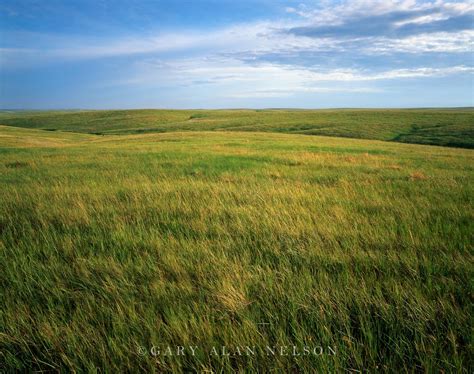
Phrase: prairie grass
x=113 y=244
x=447 y=127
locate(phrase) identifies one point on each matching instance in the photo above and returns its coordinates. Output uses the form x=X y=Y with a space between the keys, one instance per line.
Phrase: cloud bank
x=346 y=46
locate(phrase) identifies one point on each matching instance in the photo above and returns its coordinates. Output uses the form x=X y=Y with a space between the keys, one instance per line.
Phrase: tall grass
x=113 y=245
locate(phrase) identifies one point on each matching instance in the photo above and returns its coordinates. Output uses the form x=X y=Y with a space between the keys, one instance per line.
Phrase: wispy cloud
x=362 y=26
x=327 y=13
x=233 y=78
x=318 y=47
x=438 y=42
x=291 y=91
x=50 y=47
x=221 y=70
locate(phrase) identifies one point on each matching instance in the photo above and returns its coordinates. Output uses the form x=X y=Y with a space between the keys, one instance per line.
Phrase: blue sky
x=225 y=54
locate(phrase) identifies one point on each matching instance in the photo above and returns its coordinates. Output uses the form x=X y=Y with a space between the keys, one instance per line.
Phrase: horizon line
x=230 y=108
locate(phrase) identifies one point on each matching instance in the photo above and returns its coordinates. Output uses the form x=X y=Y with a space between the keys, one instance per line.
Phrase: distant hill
x=452 y=127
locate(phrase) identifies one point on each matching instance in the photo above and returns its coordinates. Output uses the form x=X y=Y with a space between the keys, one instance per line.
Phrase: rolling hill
x=446 y=127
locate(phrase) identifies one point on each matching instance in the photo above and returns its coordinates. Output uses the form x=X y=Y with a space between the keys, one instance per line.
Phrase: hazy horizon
x=236 y=108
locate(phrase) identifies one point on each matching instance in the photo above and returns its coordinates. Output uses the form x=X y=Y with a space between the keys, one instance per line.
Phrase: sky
x=110 y=54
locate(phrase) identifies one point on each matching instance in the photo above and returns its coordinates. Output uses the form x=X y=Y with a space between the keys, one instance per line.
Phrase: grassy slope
x=111 y=243
x=454 y=127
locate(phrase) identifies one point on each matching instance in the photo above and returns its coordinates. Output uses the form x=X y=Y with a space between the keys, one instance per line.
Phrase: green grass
x=447 y=127
x=112 y=243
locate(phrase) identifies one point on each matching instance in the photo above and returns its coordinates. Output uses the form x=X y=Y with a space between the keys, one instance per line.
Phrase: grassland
x=110 y=245
x=448 y=127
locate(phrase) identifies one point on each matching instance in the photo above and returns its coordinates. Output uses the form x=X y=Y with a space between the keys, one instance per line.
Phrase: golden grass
x=111 y=243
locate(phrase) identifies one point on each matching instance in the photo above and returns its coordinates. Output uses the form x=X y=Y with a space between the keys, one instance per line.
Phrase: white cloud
x=268 y=59
x=231 y=60
x=235 y=79
x=442 y=42
x=422 y=19
x=225 y=70
x=290 y=91
x=329 y=14
x=237 y=37
x=252 y=40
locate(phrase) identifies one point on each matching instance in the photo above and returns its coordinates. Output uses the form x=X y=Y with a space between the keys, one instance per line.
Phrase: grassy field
x=113 y=245
x=448 y=127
